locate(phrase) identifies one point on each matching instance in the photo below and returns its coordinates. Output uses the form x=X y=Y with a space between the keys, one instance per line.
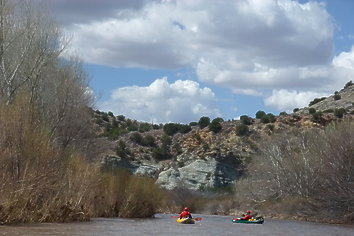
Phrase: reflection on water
x=164 y=224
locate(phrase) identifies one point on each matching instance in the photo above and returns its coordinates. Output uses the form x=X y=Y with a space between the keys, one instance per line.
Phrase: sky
x=178 y=60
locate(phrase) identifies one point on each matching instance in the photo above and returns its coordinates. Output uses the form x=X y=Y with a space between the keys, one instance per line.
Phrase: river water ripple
x=163 y=224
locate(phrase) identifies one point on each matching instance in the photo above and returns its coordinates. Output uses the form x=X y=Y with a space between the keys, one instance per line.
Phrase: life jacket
x=185 y=214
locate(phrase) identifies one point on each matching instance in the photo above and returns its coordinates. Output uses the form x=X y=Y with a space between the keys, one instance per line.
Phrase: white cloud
x=248 y=46
x=161 y=102
x=285 y=100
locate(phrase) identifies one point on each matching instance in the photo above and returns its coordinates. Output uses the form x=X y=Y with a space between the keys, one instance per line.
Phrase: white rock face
x=198 y=175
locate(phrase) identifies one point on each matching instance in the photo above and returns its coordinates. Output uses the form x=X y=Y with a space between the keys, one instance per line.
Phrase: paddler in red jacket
x=185 y=213
x=247 y=216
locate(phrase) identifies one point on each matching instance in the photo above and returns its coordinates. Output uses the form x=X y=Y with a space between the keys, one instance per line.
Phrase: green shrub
x=136 y=137
x=218 y=119
x=283 y=113
x=242 y=130
x=155 y=126
x=337 y=97
x=148 y=140
x=316 y=100
x=317 y=117
x=170 y=128
x=328 y=111
x=204 y=122
x=272 y=118
x=312 y=110
x=110 y=114
x=350 y=83
x=115 y=132
x=132 y=125
x=260 y=114
x=161 y=153
x=105 y=117
x=296 y=110
x=166 y=140
x=115 y=123
x=99 y=121
x=184 y=128
x=215 y=126
x=144 y=127
x=339 y=112
x=121 y=149
x=269 y=118
x=121 y=118
x=270 y=127
x=246 y=120
x=177 y=148
x=193 y=123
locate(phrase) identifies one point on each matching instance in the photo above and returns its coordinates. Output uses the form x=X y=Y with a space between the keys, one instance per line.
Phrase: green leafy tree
x=204 y=122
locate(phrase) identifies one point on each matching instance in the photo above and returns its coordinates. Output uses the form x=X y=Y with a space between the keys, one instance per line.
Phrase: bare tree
x=29 y=40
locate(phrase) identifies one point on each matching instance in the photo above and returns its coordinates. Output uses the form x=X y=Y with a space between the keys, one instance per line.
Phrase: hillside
x=198 y=158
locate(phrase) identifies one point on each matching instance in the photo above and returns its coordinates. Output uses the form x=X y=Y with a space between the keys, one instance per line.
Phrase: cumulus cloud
x=248 y=46
x=232 y=43
x=161 y=102
x=285 y=100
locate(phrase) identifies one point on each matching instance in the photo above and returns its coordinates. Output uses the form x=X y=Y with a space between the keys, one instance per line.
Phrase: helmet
x=186 y=209
x=248 y=212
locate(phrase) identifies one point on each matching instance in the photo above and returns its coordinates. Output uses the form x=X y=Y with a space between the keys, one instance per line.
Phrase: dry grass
x=40 y=182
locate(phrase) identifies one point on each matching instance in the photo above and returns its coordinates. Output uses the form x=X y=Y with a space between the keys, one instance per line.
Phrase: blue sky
x=177 y=60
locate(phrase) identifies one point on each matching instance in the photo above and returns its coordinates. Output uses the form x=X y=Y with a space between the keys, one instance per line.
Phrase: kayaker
x=185 y=213
x=247 y=216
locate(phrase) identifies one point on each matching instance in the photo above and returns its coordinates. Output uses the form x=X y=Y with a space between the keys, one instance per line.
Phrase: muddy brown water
x=164 y=224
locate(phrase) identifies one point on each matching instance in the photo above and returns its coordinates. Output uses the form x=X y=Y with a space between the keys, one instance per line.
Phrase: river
x=164 y=224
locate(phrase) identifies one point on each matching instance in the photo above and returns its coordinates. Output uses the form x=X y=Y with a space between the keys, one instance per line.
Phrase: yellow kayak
x=186 y=220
